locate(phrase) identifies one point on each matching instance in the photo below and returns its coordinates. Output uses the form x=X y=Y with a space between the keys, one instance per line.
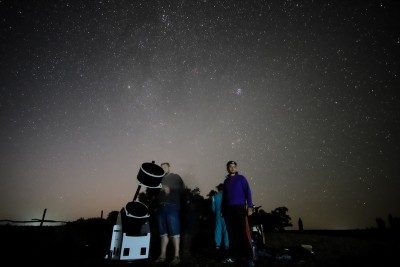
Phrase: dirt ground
x=63 y=246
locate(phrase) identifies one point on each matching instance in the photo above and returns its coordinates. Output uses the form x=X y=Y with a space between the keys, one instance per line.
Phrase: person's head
x=231 y=167
x=220 y=187
x=165 y=166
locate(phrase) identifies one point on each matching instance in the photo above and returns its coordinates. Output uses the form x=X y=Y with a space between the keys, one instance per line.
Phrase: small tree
x=112 y=216
x=277 y=220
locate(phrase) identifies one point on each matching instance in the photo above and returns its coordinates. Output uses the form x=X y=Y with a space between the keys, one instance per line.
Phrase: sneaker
x=228 y=260
x=175 y=261
x=160 y=260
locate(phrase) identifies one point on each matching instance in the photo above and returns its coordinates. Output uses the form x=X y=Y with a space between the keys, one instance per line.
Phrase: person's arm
x=182 y=191
x=223 y=202
x=178 y=186
x=248 y=197
x=213 y=204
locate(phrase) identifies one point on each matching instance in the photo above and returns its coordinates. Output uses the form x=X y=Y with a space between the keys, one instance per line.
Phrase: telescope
x=131 y=234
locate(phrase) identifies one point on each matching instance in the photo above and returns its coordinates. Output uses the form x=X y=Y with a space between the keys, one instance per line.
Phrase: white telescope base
x=124 y=247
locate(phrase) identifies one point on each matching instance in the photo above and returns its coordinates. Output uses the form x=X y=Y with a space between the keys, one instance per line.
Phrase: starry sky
x=304 y=95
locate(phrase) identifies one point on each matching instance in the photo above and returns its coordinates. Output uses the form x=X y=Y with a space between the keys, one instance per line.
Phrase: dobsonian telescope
x=131 y=234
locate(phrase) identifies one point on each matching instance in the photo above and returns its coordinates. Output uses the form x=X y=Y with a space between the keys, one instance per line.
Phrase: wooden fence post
x=44 y=214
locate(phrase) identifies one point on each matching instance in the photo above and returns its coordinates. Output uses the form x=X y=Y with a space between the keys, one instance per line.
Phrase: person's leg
x=225 y=233
x=240 y=238
x=246 y=239
x=162 y=227
x=218 y=232
x=164 y=244
x=232 y=232
x=176 y=243
x=174 y=227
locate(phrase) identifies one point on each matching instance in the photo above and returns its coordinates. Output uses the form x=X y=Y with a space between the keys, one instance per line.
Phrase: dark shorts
x=168 y=220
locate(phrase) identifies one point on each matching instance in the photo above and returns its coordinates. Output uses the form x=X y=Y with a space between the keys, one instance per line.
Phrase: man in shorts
x=168 y=213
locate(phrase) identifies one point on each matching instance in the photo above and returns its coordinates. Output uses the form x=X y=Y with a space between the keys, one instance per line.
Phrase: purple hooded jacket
x=236 y=192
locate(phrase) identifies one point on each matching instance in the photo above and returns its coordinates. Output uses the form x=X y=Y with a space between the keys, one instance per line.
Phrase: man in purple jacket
x=237 y=205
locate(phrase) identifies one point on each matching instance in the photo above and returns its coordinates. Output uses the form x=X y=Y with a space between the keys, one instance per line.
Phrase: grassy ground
x=341 y=248
x=83 y=246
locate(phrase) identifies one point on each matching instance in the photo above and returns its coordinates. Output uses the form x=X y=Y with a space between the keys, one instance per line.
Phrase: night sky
x=304 y=95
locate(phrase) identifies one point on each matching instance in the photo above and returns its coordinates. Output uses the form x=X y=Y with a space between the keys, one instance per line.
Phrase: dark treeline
x=196 y=211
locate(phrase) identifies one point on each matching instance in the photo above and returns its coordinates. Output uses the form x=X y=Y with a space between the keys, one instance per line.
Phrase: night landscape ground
x=83 y=245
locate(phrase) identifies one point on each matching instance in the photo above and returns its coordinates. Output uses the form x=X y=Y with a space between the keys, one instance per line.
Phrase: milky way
x=302 y=94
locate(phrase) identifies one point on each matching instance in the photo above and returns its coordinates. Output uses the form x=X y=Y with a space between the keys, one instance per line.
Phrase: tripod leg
x=137 y=192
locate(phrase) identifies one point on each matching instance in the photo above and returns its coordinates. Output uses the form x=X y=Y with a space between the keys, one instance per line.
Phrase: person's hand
x=249 y=211
x=166 y=189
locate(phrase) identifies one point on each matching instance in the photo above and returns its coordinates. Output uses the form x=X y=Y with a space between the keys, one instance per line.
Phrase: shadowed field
x=87 y=245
